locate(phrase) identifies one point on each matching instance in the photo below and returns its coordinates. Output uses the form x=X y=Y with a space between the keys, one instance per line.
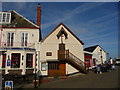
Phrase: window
x=15 y=60
x=48 y=53
x=53 y=66
x=43 y=66
x=10 y=39
x=3 y=60
x=5 y=17
x=29 y=60
x=24 y=39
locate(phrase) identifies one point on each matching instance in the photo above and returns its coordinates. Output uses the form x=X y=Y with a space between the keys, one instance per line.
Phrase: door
x=3 y=60
x=56 y=69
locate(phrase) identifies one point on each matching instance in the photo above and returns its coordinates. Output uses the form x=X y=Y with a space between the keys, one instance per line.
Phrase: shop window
x=15 y=60
x=29 y=60
x=48 y=53
x=43 y=66
x=3 y=60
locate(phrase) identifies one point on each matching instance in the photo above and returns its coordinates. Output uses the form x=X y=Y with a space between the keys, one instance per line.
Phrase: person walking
x=99 y=69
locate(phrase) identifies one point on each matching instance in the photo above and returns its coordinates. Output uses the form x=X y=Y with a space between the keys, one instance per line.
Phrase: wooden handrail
x=75 y=59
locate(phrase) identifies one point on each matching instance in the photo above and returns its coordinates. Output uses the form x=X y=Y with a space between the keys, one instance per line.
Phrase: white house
x=61 y=52
x=19 y=39
x=98 y=54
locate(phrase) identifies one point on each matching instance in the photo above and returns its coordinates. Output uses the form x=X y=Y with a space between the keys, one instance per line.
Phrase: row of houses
x=24 y=51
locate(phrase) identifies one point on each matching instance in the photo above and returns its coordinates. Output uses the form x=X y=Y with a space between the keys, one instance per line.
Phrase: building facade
x=98 y=54
x=19 y=39
x=61 y=52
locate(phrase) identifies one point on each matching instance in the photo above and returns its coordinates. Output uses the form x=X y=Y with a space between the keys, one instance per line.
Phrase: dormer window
x=5 y=17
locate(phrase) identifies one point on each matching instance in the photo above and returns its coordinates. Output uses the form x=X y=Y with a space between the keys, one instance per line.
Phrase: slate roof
x=18 y=20
x=92 y=48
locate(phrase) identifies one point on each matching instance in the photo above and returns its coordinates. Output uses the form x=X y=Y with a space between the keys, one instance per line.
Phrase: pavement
x=90 y=80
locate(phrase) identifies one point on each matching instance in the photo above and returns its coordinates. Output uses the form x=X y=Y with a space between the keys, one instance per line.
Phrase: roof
x=18 y=20
x=92 y=48
x=67 y=29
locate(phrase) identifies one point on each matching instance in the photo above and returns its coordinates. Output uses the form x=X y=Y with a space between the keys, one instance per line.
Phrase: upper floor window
x=5 y=17
x=24 y=39
x=10 y=38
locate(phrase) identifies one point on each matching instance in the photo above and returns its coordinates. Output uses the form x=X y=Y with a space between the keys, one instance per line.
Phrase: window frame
x=48 y=53
x=24 y=38
x=29 y=60
x=10 y=38
x=43 y=68
x=5 y=17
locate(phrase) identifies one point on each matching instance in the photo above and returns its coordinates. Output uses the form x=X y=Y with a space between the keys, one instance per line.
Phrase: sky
x=95 y=23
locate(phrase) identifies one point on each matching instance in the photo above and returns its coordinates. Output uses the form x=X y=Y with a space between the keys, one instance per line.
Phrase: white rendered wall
x=97 y=54
x=51 y=44
x=70 y=69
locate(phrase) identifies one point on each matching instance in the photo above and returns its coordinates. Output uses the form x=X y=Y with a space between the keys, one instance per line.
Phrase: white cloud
x=70 y=14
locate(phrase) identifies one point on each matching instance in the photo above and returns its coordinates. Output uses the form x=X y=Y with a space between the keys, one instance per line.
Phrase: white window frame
x=10 y=40
x=24 y=39
x=7 y=19
x=43 y=66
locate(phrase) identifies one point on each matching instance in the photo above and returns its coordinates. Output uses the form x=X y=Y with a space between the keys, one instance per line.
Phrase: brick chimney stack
x=39 y=15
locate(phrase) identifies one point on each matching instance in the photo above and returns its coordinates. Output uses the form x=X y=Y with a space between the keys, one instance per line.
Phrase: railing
x=16 y=45
x=75 y=59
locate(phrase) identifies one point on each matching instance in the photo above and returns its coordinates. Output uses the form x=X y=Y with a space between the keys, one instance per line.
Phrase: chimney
x=39 y=21
x=38 y=15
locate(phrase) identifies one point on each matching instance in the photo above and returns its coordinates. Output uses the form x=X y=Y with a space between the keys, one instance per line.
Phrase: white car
x=117 y=61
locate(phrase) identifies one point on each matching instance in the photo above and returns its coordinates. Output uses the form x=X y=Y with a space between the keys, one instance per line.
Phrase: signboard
x=8 y=62
x=8 y=85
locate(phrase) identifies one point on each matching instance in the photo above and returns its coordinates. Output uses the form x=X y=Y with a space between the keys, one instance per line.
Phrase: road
x=91 y=80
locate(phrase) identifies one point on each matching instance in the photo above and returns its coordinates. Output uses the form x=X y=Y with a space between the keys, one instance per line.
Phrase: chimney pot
x=39 y=15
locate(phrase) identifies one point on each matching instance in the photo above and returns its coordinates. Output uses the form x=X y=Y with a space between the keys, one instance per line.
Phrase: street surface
x=91 y=80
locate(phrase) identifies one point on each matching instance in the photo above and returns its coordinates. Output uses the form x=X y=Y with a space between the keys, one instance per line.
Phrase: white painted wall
x=33 y=34
x=51 y=44
x=70 y=69
x=97 y=54
x=33 y=37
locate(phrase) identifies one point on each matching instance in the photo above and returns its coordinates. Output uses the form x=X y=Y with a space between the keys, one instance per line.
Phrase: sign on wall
x=8 y=85
x=8 y=62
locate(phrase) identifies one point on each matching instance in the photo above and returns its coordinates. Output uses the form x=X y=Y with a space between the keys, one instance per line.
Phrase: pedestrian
x=99 y=69
x=113 y=67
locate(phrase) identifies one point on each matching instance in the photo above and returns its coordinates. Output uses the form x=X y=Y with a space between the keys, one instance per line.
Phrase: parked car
x=118 y=61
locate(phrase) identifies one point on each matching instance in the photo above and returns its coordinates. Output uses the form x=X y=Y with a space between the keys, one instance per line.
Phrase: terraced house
x=23 y=51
